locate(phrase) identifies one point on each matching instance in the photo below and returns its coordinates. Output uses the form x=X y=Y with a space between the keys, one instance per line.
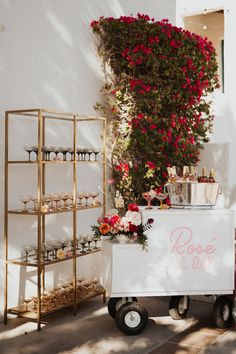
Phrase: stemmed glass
x=25 y=199
x=95 y=281
x=89 y=239
x=149 y=196
x=95 y=152
x=87 y=195
x=64 y=152
x=96 y=239
x=35 y=150
x=29 y=150
x=161 y=196
x=94 y=195
x=27 y=250
x=80 y=196
x=83 y=242
x=27 y=301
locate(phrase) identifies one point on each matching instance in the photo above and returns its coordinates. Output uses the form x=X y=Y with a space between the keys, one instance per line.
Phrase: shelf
x=21 y=312
x=51 y=162
x=33 y=262
x=31 y=213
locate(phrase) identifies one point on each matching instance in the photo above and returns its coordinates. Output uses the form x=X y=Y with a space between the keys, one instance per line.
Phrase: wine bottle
x=212 y=176
x=203 y=178
x=186 y=174
x=193 y=174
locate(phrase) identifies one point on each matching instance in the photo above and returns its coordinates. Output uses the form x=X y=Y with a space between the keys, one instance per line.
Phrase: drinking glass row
x=58 y=249
x=64 y=294
x=59 y=201
x=50 y=153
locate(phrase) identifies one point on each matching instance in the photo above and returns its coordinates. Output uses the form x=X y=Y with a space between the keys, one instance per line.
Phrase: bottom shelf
x=32 y=313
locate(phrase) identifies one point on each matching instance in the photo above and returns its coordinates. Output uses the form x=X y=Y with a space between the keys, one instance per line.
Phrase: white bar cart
x=190 y=252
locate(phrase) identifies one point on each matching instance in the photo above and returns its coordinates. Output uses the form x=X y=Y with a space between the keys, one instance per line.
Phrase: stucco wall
x=220 y=152
x=48 y=60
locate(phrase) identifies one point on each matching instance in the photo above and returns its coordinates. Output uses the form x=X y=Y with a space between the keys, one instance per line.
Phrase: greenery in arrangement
x=157 y=79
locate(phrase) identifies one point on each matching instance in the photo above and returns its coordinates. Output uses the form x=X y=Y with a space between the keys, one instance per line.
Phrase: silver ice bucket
x=193 y=194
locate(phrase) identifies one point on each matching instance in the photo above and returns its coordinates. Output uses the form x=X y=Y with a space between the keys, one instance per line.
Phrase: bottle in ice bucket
x=186 y=174
x=193 y=174
x=203 y=178
x=211 y=178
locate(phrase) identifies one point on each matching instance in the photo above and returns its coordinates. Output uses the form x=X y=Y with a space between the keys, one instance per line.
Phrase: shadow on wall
x=219 y=154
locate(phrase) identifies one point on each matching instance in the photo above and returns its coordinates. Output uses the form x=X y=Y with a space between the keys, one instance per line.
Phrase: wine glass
x=87 y=195
x=27 y=301
x=94 y=195
x=64 y=152
x=89 y=239
x=149 y=196
x=161 y=196
x=35 y=150
x=29 y=150
x=96 y=239
x=95 y=151
x=25 y=199
x=27 y=249
x=83 y=242
x=80 y=196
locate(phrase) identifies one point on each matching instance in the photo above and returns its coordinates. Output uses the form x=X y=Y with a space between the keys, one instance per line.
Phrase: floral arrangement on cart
x=126 y=228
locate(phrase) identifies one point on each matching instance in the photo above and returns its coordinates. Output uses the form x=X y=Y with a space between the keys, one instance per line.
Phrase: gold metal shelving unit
x=42 y=115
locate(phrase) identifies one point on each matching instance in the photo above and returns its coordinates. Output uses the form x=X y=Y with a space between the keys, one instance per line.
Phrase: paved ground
x=93 y=331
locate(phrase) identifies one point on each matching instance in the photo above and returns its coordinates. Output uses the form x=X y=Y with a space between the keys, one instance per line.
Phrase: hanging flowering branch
x=157 y=79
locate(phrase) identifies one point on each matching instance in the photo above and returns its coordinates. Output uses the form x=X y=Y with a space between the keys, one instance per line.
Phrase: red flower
x=133 y=207
x=133 y=228
x=153 y=126
x=114 y=219
x=151 y=165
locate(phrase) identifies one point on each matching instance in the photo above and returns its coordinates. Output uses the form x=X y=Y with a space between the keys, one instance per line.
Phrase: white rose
x=124 y=223
x=111 y=213
x=134 y=217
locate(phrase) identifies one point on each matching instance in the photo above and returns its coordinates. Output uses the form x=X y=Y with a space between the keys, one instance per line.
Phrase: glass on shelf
x=27 y=301
x=25 y=199
x=89 y=239
x=29 y=150
x=87 y=195
x=95 y=151
x=35 y=150
x=94 y=195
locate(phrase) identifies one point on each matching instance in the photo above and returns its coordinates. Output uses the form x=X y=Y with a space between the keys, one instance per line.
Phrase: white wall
x=220 y=152
x=48 y=60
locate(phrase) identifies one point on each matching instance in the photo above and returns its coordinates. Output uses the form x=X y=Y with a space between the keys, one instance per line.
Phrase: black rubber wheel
x=234 y=311
x=222 y=312
x=131 y=318
x=112 y=305
x=176 y=309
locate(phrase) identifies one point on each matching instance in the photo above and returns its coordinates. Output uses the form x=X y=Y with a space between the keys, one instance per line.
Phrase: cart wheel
x=176 y=307
x=222 y=312
x=234 y=311
x=131 y=318
x=112 y=304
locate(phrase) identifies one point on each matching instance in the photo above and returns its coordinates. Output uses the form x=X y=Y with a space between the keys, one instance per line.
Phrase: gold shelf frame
x=42 y=115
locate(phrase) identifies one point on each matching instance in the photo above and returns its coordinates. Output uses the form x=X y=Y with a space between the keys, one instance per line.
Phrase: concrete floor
x=93 y=331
